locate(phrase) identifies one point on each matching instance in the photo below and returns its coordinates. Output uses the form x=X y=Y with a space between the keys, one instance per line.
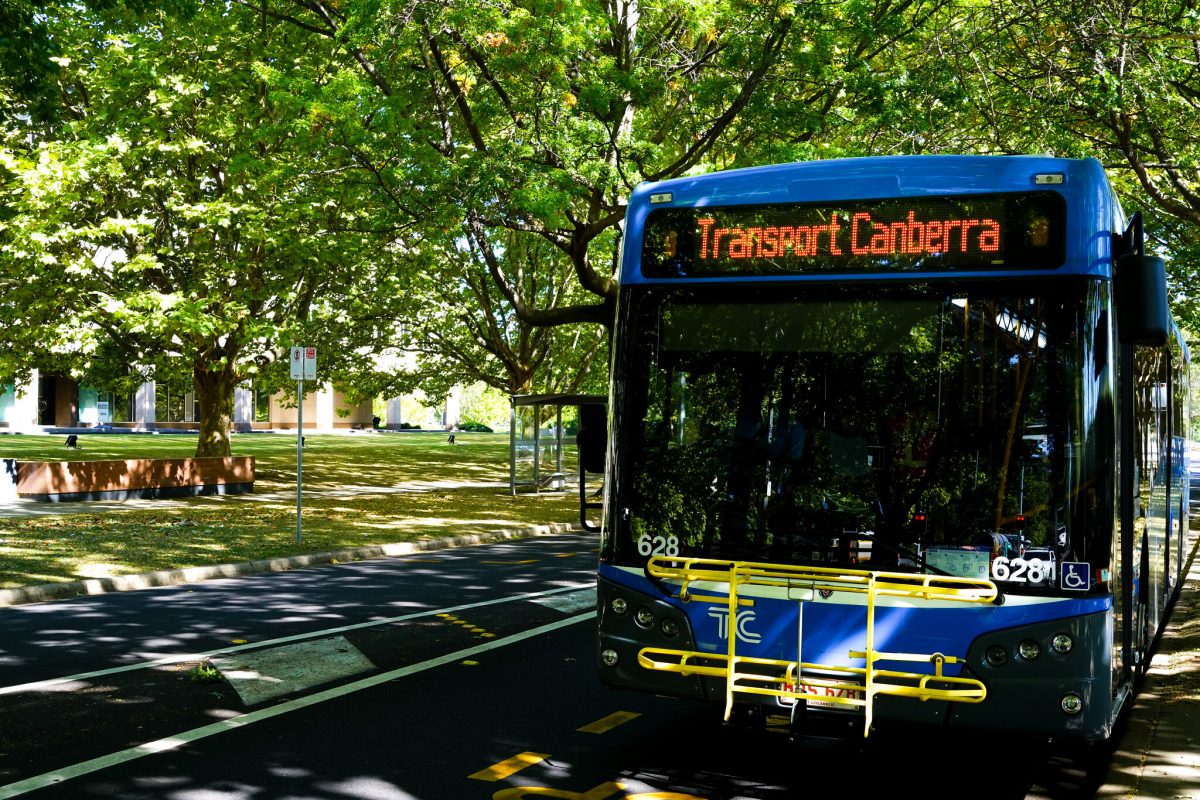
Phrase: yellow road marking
x=608 y=723
x=566 y=555
x=470 y=626
x=601 y=792
x=507 y=563
x=511 y=766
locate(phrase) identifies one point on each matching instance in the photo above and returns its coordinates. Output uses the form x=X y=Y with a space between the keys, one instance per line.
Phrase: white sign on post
x=304 y=363
x=304 y=368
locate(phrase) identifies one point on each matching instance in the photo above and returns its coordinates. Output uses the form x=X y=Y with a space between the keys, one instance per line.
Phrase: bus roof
x=1092 y=211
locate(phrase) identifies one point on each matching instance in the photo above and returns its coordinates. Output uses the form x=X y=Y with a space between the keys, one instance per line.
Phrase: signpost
x=304 y=367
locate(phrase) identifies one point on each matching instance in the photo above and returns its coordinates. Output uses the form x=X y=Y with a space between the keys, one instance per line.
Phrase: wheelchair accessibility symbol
x=1075 y=575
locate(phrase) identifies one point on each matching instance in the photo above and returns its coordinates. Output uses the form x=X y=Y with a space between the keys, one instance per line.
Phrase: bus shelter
x=536 y=452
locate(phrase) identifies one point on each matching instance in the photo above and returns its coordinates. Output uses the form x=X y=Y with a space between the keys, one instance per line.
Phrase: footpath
x=1156 y=758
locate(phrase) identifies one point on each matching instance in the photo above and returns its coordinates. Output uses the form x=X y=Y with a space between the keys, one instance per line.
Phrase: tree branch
x=705 y=143
x=456 y=92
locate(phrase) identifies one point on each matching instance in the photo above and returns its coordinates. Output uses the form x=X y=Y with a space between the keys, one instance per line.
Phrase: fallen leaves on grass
x=368 y=479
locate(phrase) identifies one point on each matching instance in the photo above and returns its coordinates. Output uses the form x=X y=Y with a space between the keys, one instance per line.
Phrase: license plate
x=848 y=691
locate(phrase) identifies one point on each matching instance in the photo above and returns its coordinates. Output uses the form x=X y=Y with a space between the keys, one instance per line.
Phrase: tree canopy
x=186 y=217
x=188 y=189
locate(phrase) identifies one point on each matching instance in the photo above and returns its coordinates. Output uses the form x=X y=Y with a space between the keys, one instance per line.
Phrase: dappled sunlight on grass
x=330 y=460
x=100 y=570
x=363 y=489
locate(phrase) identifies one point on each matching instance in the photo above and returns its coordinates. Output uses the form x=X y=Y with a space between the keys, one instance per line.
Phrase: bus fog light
x=1072 y=704
x=669 y=627
x=996 y=656
x=1062 y=643
x=1029 y=649
x=644 y=617
x=618 y=605
x=609 y=657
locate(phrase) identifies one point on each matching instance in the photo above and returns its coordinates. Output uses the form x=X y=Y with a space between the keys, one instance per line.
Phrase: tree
x=1112 y=79
x=26 y=50
x=461 y=329
x=535 y=119
x=433 y=319
x=187 y=217
x=30 y=52
x=539 y=117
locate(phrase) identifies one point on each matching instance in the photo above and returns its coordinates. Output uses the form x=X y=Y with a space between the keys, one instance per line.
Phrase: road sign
x=304 y=368
x=304 y=363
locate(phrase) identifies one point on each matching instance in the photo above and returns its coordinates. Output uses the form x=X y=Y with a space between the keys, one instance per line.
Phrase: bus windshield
x=904 y=431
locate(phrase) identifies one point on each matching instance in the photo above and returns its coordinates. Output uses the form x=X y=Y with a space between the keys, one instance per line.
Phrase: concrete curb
x=175 y=577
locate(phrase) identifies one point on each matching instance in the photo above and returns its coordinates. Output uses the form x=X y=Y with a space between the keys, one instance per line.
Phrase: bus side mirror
x=592 y=439
x=1140 y=290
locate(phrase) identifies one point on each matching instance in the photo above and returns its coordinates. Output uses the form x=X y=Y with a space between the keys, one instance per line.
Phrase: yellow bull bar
x=786 y=679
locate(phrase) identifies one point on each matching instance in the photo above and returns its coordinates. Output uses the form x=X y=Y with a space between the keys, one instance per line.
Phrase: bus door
x=1128 y=596
x=1178 y=471
x=1143 y=326
x=1154 y=382
x=1144 y=501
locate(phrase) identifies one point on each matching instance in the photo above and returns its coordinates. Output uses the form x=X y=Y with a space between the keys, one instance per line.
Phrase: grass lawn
x=360 y=489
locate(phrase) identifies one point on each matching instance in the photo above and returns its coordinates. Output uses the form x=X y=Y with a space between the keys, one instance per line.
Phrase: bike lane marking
x=604 y=791
x=509 y=766
x=606 y=724
x=234 y=723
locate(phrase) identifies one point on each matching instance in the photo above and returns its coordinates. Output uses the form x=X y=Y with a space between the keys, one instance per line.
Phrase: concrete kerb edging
x=176 y=577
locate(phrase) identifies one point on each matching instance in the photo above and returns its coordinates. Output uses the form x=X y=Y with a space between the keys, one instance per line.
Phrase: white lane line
x=165 y=661
x=241 y=721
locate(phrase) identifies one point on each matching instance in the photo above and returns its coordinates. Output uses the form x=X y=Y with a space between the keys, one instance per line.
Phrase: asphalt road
x=48 y=640
x=480 y=682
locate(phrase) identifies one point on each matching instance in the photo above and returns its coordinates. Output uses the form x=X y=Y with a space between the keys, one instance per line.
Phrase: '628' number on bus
x=648 y=545
x=1018 y=570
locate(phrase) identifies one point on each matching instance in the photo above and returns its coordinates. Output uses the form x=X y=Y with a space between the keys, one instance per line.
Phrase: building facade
x=55 y=401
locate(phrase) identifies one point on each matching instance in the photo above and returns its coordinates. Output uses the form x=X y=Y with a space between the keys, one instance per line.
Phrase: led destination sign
x=868 y=236
x=1023 y=231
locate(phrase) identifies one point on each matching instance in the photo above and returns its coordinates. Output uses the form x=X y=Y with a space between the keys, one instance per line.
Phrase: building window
x=7 y=401
x=262 y=405
x=112 y=407
x=172 y=405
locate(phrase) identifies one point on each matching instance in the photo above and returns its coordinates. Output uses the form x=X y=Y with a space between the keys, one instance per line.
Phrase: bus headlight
x=619 y=606
x=644 y=617
x=609 y=657
x=1062 y=643
x=1071 y=704
x=1029 y=649
x=996 y=656
x=669 y=627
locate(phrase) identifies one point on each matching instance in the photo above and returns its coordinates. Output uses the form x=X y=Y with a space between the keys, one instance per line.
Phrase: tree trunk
x=214 y=389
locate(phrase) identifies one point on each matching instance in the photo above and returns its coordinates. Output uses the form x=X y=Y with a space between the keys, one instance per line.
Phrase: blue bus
x=891 y=440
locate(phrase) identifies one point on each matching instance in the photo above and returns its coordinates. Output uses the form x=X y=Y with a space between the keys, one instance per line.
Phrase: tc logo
x=744 y=618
